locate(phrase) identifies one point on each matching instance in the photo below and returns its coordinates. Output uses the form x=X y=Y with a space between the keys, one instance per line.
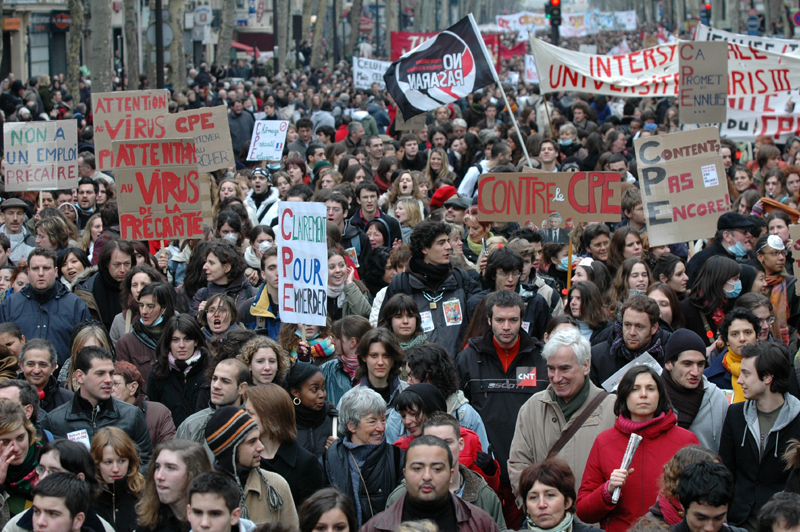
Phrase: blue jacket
x=52 y=320
x=718 y=374
x=255 y=314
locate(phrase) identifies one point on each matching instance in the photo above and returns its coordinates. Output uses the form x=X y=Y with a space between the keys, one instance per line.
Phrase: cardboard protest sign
x=683 y=184
x=160 y=193
x=531 y=75
x=654 y=71
x=268 y=139
x=415 y=123
x=703 y=91
x=794 y=234
x=303 y=263
x=40 y=155
x=127 y=115
x=212 y=136
x=582 y=196
x=369 y=71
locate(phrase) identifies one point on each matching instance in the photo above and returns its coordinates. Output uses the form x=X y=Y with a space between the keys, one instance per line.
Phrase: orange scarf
x=780 y=301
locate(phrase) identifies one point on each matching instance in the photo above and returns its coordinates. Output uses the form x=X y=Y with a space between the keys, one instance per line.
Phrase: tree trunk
x=355 y=27
x=320 y=7
x=223 y=56
x=149 y=66
x=283 y=34
x=131 y=44
x=177 y=48
x=444 y=14
x=308 y=10
x=390 y=14
x=101 y=51
x=418 y=7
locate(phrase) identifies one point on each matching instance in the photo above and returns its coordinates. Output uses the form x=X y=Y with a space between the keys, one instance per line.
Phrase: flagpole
x=503 y=92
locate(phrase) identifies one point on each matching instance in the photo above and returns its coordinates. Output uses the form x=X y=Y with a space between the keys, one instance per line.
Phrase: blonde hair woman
x=267 y=360
x=408 y=214
x=94 y=226
x=91 y=334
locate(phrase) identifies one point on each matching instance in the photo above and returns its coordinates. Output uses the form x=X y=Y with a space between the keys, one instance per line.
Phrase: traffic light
x=548 y=11
x=555 y=12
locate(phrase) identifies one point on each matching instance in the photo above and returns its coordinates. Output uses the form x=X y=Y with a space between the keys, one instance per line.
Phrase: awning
x=245 y=48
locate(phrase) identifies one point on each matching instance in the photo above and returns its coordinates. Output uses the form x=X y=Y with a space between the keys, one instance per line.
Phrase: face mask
x=274 y=166
x=565 y=142
x=159 y=321
x=738 y=249
x=231 y=237
x=264 y=246
x=564 y=264
x=737 y=289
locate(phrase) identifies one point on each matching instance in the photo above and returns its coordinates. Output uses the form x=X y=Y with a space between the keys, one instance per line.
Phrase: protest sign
x=582 y=196
x=40 y=155
x=512 y=77
x=777 y=116
x=160 y=194
x=703 y=91
x=127 y=115
x=212 y=135
x=784 y=46
x=369 y=71
x=268 y=139
x=654 y=71
x=415 y=123
x=303 y=263
x=531 y=75
x=683 y=184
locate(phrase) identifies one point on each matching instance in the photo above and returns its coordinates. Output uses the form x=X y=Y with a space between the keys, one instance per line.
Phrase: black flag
x=441 y=70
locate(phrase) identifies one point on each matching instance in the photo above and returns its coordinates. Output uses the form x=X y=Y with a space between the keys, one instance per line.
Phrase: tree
x=418 y=15
x=321 y=9
x=131 y=44
x=176 y=47
x=101 y=52
x=74 y=48
x=223 y=56
x=390 y=13
x=355 y=27
x=283 y=34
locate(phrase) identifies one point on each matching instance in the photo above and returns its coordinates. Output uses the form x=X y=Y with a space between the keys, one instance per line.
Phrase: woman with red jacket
x=643 y=408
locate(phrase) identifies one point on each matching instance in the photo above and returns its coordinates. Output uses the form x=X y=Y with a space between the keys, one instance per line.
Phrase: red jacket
x=661 y=440
x=472 y=444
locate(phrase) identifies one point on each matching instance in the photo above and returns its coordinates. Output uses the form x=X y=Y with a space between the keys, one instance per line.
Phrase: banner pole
x=569 y=266
x=497 y=80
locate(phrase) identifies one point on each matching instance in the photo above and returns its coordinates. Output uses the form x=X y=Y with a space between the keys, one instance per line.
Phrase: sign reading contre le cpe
x=40 y=155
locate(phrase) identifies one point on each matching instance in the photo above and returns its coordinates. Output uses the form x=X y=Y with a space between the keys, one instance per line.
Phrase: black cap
x=733 y=220
x=681 y=341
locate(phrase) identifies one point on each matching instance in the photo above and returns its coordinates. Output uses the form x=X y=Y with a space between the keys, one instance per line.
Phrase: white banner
x=369 y=71
x=531 y=75
x=578 y=24
x=654 y=71
x=302 y=262
x=783 y=46
x=268 y=139
x=777 y=116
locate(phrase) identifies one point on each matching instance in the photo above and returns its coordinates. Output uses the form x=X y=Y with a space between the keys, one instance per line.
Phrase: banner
x=441 y=70
x=369 y=71
x=212 y=135
x=303 y=262
x=514 y=51
x=268 y=139
x=654 y=71
x=405 y=41
x=582 y=196
x=127 y=115
x=683 y=184
x=703 y=92
x=531 y=75
x=40 y=155
x=576 y=24
x=160 y=193
x=777 y=116
x=783 y=46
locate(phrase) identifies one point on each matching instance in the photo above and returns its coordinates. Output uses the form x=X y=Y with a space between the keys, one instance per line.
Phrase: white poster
x=783 y=46
x=369 y=71
x=302 y=262
x=531 y=76
x=267 y=141
x=40 y=155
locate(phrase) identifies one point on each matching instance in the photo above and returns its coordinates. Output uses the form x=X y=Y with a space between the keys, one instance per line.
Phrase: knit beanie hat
x=683 y=340
x=430 y=395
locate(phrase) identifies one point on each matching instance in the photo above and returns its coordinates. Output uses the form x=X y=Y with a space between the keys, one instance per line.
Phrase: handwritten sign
x=582 y=196
x=161 y=195
x=40 y=155
x=703 y=85
x=128 y=115
x=531 y=75
x=303 y=263
x=369 y=71
x=269 y=137
x=683 y=185
x=212 y=136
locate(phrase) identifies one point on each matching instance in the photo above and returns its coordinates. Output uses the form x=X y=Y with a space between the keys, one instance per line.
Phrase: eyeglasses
x=774 y=253
x=43 y=471
x=768 y=321
x=513 y=275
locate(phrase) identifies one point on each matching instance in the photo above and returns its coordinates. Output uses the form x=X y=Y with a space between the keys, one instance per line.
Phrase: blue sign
x=704 y=17
x=753 y=23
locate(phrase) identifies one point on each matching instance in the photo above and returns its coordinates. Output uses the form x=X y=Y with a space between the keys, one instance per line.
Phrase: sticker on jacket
x=527 y=326
x=452 y=312
x=351 y=252
x=526 y=376
x=427 y=321
x=80 y=436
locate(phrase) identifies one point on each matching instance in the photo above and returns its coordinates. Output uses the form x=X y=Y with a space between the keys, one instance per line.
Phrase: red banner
x=405 y=41
x=515 y=51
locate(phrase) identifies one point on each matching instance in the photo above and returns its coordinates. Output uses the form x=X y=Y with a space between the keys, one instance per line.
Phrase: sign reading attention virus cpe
x=441 y=70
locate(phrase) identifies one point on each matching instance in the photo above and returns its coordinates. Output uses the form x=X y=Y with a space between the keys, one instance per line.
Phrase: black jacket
x=117 y=505
x=178 y=393
x=353 y=237
x=694 y=266
x=395 y=233
x=382 y=472
x=757 y=475
x=167 y=522
x=55 y=395
x=537 y=310
x=498 y=395
x=313 y=439
x=604 y=364
x=73 y=416
x=300 y=468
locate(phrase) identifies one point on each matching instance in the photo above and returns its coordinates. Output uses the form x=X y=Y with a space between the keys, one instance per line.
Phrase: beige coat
x=257 y=504
x=539 y=425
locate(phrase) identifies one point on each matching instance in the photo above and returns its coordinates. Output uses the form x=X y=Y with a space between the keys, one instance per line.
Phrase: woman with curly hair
x=118 y=471
x=267 y=360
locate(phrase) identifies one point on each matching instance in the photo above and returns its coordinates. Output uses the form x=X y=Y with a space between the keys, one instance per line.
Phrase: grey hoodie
x=707 y=424
x=789 y=411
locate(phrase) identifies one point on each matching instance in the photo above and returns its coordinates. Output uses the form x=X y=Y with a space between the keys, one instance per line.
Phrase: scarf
x=629 y=426
x=780 y=301
x=350 y=365
x=41 y=296
x=733 y=363
x=434 y=274
x=320 y=347
x=21 y=479
x=308 y=417
x=184 y=366
x=686 y=401
x=441 y=512
x=106 y=292
x=149 y=336
x=564 y=526
x=414 y=342
x=620 y=349
x=337 y=293
x=569 y=408
x=670 y=507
